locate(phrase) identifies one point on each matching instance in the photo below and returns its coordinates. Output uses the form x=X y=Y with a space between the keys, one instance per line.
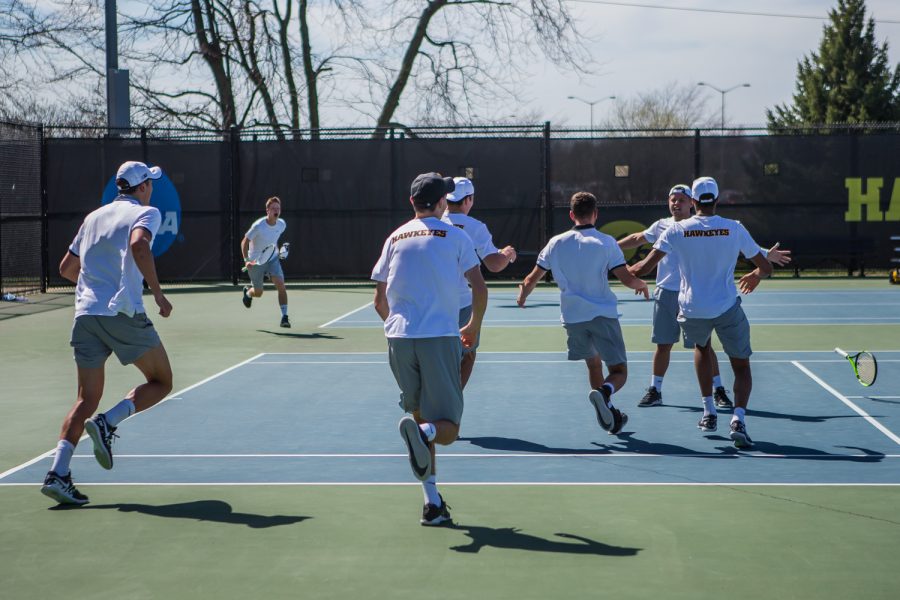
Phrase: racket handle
x=841 y=352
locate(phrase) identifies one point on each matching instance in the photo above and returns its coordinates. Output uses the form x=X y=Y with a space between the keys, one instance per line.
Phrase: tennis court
x=275 y=469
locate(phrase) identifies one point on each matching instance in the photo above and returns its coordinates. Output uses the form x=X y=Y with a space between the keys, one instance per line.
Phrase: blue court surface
x=281 y=419
x=762 y=307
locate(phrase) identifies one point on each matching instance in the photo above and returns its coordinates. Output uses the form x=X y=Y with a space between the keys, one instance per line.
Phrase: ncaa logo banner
x=165 y=198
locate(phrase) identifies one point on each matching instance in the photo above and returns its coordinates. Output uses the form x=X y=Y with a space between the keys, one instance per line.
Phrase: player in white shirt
x=581 y=260
x=707 y=247
x=108 y=259
x=459 y=203
x=264 y=232
x=665 y=330
x=417 y=297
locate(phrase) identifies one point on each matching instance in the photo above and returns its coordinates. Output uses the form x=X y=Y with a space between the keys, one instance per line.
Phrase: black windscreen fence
x=834 y=199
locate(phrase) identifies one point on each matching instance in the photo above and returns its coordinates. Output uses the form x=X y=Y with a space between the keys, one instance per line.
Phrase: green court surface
x=363 y=541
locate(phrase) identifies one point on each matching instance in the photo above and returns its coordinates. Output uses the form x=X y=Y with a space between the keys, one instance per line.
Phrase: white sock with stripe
x=429 y=487
x=119 y=412
x=64 y=452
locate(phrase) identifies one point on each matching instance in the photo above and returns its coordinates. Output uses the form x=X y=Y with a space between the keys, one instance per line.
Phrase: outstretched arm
x=648 y=264
x=778 y=257
x=498 y=261
x=635 y=240
x=638 y=285
x=527 y=286
x=763 y=269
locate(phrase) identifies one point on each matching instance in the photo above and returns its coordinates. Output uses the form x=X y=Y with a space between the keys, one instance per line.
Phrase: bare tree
x=673 y=106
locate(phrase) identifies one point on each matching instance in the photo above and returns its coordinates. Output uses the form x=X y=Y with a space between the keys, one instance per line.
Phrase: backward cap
x=705 y=190
x=428 y=188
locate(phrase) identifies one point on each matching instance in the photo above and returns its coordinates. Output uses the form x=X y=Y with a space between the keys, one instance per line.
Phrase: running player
x=665 y=329
x=459 y=203
x=265 y=232
x=107 y=260
x=707 y=247
x=417 y=298
x=581 y=260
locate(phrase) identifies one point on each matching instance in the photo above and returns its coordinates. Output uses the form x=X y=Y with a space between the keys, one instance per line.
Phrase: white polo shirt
x=109 y=281
x=707 y=250
x=668 y=277
x=421 y=262
x=481 y=239
x=261 y=234
x=581 y=260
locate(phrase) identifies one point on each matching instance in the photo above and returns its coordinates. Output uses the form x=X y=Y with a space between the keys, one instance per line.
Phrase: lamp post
x=723 y=92
x=591 y=103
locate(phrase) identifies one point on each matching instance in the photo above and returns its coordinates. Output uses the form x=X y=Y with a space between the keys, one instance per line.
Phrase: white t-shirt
x=667 y=273
x=481 y=239
x=109 y=281
x=261 y=234
x=581 y=260
x=707 y=249
x=421 y=262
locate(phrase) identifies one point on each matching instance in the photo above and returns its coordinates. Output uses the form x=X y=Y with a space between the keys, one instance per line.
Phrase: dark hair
x=126 y=188
x=583 y=204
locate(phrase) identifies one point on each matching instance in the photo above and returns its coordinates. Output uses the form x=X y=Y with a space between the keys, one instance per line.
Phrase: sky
x=641 y=49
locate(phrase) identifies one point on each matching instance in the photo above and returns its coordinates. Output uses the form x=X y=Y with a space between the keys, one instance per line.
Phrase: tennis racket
x=263 y=257
x=865 y=367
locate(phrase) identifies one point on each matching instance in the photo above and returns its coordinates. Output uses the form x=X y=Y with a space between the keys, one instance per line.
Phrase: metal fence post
x=45 y=219
x=234 y=173
x=546 y=199
x=696 y=153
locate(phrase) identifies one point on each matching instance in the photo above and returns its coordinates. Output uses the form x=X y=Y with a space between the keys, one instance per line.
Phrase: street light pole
x=723 y=92
x=591 y=103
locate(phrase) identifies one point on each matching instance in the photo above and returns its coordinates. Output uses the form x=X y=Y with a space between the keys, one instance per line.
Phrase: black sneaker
x=739 y=435
x=708 y=423
x=433 y=515
x=651 y=398
x=720 y=396
x=285 y=322
x=619 y=421
x=102 y=434
x=61 y=489
x=417 y=446
x=600 y=400
x=248 y=300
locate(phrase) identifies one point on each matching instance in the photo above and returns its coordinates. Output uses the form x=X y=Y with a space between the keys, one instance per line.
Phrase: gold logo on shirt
x=706 y=232
x=419 y=233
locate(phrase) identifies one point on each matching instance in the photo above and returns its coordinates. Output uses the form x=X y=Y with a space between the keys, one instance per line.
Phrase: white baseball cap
x=705 y=190
x=136 y=173
x=463 y=188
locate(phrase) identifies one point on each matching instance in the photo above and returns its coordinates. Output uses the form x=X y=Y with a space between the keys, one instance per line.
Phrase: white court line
x=747 y=454
x=890 y=434
x=870 y=397
x=176 y=395
x=726 y=484
x=544 y=361
x=355 y=310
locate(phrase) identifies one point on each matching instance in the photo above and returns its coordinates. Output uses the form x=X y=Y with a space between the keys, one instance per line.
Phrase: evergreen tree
x=849 y=80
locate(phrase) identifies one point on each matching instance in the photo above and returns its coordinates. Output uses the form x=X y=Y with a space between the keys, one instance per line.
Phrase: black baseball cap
x=427 y=189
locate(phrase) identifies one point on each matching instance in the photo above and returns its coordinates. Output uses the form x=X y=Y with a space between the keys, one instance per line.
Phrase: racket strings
x=866 y=368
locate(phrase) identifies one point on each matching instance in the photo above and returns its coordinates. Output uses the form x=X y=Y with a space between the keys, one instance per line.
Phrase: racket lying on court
x=865 y=367
x=263 y=257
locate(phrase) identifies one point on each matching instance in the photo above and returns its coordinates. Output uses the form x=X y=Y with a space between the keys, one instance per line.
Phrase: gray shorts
x=427 y=371
x=464 y=315
x=271 y=268
x=601 y=336
x=665 y=317
x=732 y=328
x=94 y=338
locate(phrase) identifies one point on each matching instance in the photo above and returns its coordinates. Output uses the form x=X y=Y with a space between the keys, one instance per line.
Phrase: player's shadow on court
x=765 y=414
x=518 y=445
x=511 y=538
x=215 y=511
x=302 y=336
x=529 y=305
x=788 y=452
x=624 y=443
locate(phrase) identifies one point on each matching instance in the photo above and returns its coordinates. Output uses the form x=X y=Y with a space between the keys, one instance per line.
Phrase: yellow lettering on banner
x=856 y=199
x=893 y=211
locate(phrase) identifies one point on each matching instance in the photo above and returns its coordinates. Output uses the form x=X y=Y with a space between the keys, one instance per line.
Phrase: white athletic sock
x=429 y=430
x=612 y=390
x=656 y=381
x=64 y=452
x=284 y=310
x=709 y=407
x=738 y=414
x=717 y=382
x=429 y=486
x=119 y=412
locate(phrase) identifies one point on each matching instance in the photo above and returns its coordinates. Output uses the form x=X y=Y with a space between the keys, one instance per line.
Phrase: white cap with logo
x=705 y=190
x=463 y=188
x=136 y=173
